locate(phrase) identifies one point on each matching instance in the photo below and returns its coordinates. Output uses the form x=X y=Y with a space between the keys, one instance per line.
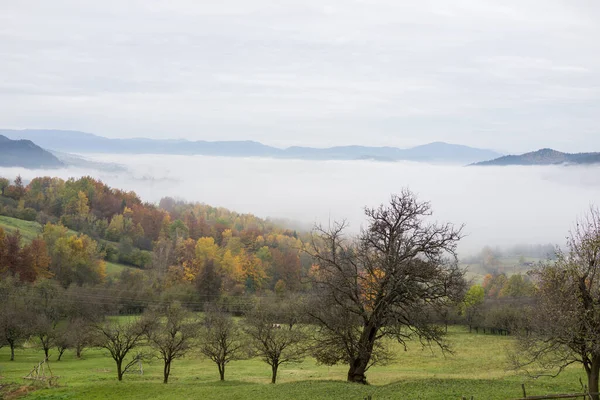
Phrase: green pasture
x=477 y=368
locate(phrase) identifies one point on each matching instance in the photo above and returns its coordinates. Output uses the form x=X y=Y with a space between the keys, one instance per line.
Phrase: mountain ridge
x=24 y=153
x=83 y=142
x=545 y=156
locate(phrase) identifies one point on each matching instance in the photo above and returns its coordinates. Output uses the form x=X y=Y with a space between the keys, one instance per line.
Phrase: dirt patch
x=14 y=391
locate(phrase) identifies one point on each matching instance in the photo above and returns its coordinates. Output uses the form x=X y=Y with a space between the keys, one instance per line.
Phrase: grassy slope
x=477 y=368
x=30 y=230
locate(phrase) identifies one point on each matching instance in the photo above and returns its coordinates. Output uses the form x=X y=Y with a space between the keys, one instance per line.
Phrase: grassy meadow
x=29 y=229
x=477 y=368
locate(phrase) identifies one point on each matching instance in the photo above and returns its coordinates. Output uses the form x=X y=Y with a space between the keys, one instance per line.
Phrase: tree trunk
x=593 y=374
x=357 y=371
x=222 y=371
x=46 y=349
x=274 y=376
x=12 y=350
x=119 y=370
x=167 y=371
x=60 y=353
x=78 y=351
x=358 y=366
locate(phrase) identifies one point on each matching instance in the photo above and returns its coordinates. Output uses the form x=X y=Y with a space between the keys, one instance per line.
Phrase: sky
x=510 y=75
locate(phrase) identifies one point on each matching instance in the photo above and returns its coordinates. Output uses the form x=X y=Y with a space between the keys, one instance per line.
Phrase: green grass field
x=478 y=368
x=28 y=229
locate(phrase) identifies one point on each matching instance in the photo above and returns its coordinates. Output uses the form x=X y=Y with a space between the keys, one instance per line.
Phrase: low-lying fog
x=499 y=205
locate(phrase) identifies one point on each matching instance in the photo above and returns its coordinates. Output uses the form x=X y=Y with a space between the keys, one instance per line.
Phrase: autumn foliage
x=85 y=222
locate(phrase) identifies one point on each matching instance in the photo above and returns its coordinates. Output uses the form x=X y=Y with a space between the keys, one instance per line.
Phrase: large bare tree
x=565 y=319
x=377 y=285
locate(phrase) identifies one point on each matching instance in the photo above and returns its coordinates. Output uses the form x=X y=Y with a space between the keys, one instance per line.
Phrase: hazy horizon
x=500 y=206
x=384 y=73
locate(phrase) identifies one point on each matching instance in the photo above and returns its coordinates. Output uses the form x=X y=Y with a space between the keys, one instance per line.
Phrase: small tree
x=62 y=341
x=45 y=300
x=472 y=304
x=4 y=183
x=173 y=337
x=80 y=335
x=274 y=342
x=222 y=342
x=77 y=334
x=565 y=319
x=120 y=338
x=14 y=316
x=14 y=327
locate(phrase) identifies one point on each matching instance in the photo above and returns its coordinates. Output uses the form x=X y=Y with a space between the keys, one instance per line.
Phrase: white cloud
x=500 y=205
x=514 y=75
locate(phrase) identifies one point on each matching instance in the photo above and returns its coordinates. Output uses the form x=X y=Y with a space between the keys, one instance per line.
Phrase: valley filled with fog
x=500 y=206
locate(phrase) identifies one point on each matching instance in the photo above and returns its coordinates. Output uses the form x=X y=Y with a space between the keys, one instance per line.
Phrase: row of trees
x=61 y=319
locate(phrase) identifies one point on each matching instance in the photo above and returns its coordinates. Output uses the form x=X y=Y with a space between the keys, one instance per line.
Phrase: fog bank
x=499 y=205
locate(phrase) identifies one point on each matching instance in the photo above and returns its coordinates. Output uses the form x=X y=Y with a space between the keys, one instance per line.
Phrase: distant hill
x=76 y=161
x=544 y=157
x=81 y=142
x=26 y=154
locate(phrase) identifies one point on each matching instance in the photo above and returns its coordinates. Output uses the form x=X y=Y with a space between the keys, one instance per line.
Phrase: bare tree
x=377 y=284
x=77 y=334
x=14 y=328
x=80 y=335
x=222 y=341
x=119 y=338
x=274 y=342
x=565 y=319
x=45 y=299
x=14 y=315
x=172 y=337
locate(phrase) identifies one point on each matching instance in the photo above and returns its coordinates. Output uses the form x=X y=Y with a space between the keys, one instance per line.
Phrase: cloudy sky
x=511 y=75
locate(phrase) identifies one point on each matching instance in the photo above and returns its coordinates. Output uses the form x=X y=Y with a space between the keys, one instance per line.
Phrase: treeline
x=498 y=306
x=212 y=249
x=59 y=319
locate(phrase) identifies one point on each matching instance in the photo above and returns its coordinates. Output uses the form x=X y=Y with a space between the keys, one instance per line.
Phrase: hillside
x=30 y=230
x=81 y=142
x=25 y=153
x=544 y=157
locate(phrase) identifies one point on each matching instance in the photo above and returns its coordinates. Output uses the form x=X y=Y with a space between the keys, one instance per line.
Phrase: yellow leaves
x=206 y=249
x=101 y=269
x=82 y=204
x=227 y=235
x=370 y=286
x=231 y=266
x=127 y=212
x=253 y=268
